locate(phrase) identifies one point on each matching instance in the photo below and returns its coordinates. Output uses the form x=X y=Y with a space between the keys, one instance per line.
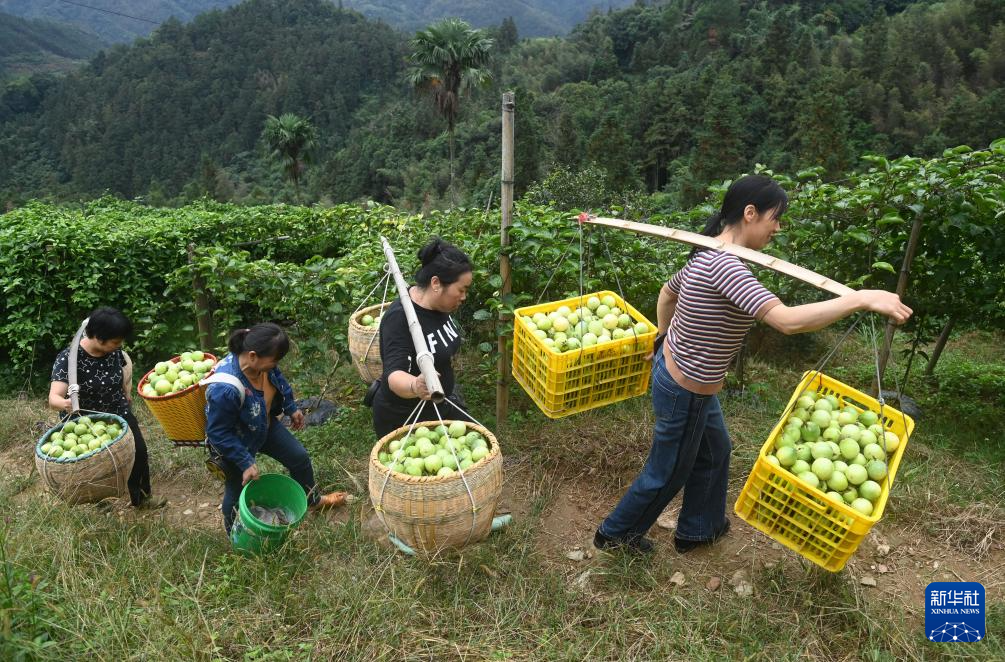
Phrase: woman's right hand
x=250 y=474
x=886 y=303
x=420 y=389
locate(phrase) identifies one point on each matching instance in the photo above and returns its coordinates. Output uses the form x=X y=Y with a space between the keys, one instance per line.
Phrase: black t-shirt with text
x=100 y=380
x=397 y=352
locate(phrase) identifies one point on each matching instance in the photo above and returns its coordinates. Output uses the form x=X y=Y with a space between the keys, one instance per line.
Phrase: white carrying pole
x=423 y=357
x=73 y=390
x=747 y=254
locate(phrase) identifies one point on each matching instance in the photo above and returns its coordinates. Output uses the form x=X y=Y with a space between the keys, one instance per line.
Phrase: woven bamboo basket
x=181 y=414
x=364 y=343
x=433 y=513
x=93 y=477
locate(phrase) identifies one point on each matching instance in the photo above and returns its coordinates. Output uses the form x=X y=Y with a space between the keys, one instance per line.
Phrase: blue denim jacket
x=238 y=432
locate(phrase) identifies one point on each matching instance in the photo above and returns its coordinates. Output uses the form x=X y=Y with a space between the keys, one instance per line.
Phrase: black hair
x=265 y=339
x=762 y=192
x=108 y=324
x=441 y=259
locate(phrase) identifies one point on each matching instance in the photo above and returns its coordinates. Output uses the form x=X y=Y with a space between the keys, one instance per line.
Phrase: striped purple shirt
x=717 y=301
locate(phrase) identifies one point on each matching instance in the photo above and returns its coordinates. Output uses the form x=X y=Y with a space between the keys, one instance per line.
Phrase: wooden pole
x=506 y=208
x=423 y=357
x=746 y=254
x=905 y=272
x=203 y=311
x=940 y=345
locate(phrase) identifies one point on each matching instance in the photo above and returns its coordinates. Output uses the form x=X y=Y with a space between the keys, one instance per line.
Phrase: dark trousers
x=281 y=445
x=139 y=477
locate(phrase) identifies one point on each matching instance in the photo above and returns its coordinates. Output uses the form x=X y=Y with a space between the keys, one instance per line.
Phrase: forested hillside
x=30 y=46
x=126 y=20
x=113 y=20
x=659 y=98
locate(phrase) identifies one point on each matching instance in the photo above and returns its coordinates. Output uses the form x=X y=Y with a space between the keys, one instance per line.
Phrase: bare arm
x=665 y=306
x=57 y=396
x=815 y=316
x=408 y=386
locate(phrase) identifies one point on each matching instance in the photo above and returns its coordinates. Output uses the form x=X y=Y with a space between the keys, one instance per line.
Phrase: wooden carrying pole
x=747 y=254
x=203 y=313
x=506 y=207
x=423 y=357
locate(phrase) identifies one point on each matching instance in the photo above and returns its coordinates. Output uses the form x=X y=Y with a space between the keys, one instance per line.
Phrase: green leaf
x=885 y=266
x=482 y=315
x=485 y=347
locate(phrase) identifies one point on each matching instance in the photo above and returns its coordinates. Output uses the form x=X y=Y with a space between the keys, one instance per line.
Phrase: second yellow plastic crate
x=777 y=503
x=569 y=382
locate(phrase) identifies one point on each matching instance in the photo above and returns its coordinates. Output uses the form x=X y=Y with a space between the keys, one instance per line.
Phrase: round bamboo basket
x=364 y=343
x=92 y=477
x=433 y=513
x=181 y=414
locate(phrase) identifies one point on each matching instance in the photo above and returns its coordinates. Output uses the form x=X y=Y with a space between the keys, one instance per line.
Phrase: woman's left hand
x=297 y=420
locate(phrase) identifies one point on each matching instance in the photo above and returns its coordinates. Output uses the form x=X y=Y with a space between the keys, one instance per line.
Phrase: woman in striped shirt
x=704 y=311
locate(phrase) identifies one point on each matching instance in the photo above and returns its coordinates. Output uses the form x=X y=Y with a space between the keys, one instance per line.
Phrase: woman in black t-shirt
x=105 y=387
x=441 y=286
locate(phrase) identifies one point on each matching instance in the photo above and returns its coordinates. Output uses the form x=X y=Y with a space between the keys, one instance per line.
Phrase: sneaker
x=684 y=546
x=331 y=500
x=632 y=544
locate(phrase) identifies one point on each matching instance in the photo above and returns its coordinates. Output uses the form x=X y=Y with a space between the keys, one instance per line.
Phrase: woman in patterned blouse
x=101 y=368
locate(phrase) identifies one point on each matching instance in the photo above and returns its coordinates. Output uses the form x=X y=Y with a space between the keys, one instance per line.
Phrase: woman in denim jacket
x=237 y=432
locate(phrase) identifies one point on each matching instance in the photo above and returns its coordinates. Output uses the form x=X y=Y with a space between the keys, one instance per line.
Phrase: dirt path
x=895 y=562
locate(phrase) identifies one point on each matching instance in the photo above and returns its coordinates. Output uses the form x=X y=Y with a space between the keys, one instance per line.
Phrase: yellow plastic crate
x=573 y=381
x=787 y=509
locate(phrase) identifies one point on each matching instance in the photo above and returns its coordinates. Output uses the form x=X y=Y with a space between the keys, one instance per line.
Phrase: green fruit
x=433 y=463
x=457 y=429
x=857 y=474
x=848 y=448
x=821 y=418
x=786 y=456
x=851 y=431
x=799 y=467
x=444 y=471
x=478 y=453
x=870 y=490
x=862 y=505
x=771 y=459
x=838 y=481
x=849 y=495
x=803 y=452
x=810 y=478
x=874 y=452
x=45 y=448
x=876 y=469
x=810 y=432
x=823 y=468
x=823 y=405
x=868 y=418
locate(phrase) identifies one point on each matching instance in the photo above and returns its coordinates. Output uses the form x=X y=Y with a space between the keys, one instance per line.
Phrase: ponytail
x=713 y=226
x=266 y=339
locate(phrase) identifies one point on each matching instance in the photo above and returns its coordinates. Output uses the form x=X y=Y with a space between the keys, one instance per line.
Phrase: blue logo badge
x=954 y=612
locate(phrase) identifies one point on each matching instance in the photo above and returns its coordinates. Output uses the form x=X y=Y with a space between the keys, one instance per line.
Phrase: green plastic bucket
x=249 y=534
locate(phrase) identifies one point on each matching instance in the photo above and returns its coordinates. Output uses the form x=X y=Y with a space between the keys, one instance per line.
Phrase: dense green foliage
x=311 y=267
x=28 y=46
x=665 y=98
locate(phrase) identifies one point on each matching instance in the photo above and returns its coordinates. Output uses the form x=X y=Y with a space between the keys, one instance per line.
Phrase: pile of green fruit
x=370 y=321
x=836 y=449
x=81 y=437
x=169 y=377
x=601 y=321
x=439 y=451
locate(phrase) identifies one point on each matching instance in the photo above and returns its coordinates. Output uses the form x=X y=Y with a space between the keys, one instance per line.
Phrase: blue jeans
x=690 y=451
x=281 y=445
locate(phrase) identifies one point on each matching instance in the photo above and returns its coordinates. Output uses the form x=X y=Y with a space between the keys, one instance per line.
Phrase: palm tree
x=292 y=140
x=447 y=58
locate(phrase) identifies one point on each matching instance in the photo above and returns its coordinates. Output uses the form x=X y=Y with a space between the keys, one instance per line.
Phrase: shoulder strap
x=225 y=378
